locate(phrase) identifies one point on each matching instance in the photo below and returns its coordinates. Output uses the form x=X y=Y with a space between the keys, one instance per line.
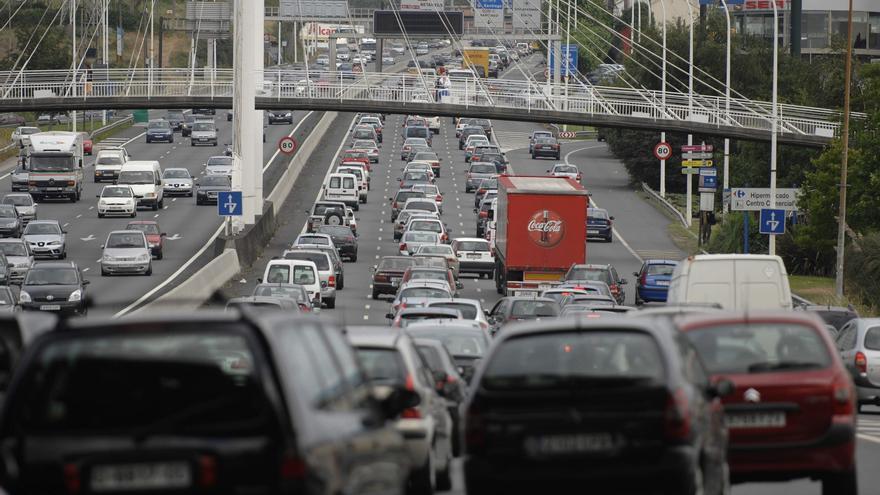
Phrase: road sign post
x=772 y=221
x=662 y=152
x=230 y=204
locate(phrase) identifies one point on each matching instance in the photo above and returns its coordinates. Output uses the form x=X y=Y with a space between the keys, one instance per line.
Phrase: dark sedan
x=599 y=224
x=515 y=308
x=56 y=287
x=619 y=406
x=546 y=147
x=388 y=273
x=344 y=240
x=207 y=188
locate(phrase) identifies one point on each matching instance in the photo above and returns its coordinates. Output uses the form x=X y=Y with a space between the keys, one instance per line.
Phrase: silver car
x=477 y=172
x=859 y=346
x=219 y=165
x=19 y=256
x=20 y=177
x=177 y=181
x=24 y=203
x=46 y=239
x=413 y=240
x=326 y=271
x=126 y=251
x=203 y=133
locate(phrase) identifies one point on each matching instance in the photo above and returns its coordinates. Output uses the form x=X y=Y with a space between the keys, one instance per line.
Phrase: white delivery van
x=738 y=282
x=344 y=188
x=145 y=179
x=299 y=272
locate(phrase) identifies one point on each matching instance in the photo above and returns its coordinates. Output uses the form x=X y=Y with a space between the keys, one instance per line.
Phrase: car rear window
x=428 y=226
x=468 y=311
x=138 y=383
x=660 y=269
x=568 y=359
x=421 y=132
x=472 y=246
x=429 y=275
x=481 y=168
x=872 y=339
x=596 y=274
x=395 y=264
x=383 y=366
x=760 y=348
x=534 y=309
x=319 y=259
x=423 y=292
x=420 y=237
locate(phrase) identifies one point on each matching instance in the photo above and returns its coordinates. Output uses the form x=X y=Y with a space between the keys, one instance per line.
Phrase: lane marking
x=277 y=151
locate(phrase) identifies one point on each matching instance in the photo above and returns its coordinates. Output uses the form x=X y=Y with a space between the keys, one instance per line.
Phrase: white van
x=362 y=180
x=145 y=179
x=344 y=188
x=299 y=272
x=738 y=282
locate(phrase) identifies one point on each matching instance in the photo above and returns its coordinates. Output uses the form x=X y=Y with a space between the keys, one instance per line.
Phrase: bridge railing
x=526 y=96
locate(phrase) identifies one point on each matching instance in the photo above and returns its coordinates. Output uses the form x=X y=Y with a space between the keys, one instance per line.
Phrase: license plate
x=585 y=443
x=50 y=307
x=473 y=255
x=53 y=188
x=203 y=139
x=662 y=283
x=594 y=232
x=774 y=419
x=145 y=476
x=527 y=293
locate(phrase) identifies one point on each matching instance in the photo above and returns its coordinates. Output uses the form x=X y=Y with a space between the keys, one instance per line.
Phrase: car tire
x=533 y=156
x=845 y=483
x=357 y=207
x=331 y=303
x=160 y=255
x=192 y=143
x=198 y=202
x=444 y=478
x=100 y=215
x=354 y=258
x=171 y=140
x=148 y=140
x=423 y=480
x=608 y=239
x=162 y=202
x=149 y=270
x=104 y=273
x=64 y=255
x=375 y=295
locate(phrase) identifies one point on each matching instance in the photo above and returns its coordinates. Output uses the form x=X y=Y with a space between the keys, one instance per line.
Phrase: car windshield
x=416 y=176
x=217 y=180
x=109 y=159
x=429 y=275
x=383 y=366
x=473 y=246
x=296 y=292
x=760 y=347
x=146 y=228
x=19 y=200
x=159 y=125
x=125 y=240
x=319 y=259
x=51 y=276
x=176 y=174
x=116 y=192
x=13 y=249
x=222 y=161
x=483 y=168
x=534 y=309
x=51 y=163
x=566 y=359
x=136 y=177
x=173 y=381
x=436 y=249
x=420 y=237
x=423 y=292
x=203 y=126
x=42 y=229
x=468 y=311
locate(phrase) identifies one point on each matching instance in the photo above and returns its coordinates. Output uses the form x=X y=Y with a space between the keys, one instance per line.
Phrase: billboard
x=320 y=31
x=435 y=5
x=489 y=15
x=295 y=10
x=418 y=22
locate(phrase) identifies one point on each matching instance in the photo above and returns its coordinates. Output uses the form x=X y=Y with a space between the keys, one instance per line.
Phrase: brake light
x=381 y=278
x=331 y=282
x=394 y=205
x=72 y=481
x=615 y=289
x=402 y=246
x=207 y=471
x=861 y=362
x=484 y=214
x=292 y=468
x=480 y=192
x=444 y=237
x=468 y=175
x=844 y=396
x=71 y=183
x=439 y=198
x=677 y=425
x=411 y=413
x=643 y=280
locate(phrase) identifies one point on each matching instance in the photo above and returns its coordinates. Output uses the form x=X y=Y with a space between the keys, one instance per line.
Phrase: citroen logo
x=752 y=395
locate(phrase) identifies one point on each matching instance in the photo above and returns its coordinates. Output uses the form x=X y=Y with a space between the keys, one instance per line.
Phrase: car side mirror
x=635 y=274
x=97 y=195
x=86 y=282
x=389 y=316
x=721 y=388
x=102 y=246
x=394 y=400
x=259 y=280
x=610 y=218
x=163 y=234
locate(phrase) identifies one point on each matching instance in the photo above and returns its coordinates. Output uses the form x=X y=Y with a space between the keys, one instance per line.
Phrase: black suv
x=54 y=286
x=209 y=402
x=344 y=240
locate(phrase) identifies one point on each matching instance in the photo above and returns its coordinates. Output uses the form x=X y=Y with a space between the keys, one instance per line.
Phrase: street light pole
x=105 y=45
x=663 y=100
x=727 y=108
x=773 y=121
x=690 y=182
x=73 y=59
x=841 y=215
x=150 y=69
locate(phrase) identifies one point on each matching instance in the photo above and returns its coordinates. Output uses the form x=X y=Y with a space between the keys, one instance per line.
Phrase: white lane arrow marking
x=87 y=239
x=175 y=237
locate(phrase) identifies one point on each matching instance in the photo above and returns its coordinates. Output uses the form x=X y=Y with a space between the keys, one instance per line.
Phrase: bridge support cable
x=20 y=72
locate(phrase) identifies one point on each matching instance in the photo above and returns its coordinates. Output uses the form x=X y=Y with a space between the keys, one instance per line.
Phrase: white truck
x=55 y=165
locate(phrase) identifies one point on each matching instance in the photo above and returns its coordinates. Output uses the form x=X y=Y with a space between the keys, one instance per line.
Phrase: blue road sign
x=229 y=203
x=772 y=221
x=490 y=4
x=570 y=55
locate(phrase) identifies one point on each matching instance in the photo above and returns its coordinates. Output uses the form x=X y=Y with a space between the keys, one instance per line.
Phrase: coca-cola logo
x=546 y=228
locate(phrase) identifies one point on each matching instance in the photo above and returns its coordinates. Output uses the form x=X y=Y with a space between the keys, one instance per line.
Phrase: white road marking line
x=91 y=207
x=868 y=438
x=98 y=260
x=79 y=216
x=66 y=224
x=85 y=269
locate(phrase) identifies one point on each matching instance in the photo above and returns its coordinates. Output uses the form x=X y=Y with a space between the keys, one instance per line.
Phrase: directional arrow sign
x=87 y=239
x=697 y=163
x=772 y=221
x=229 y=203
x=699 y=148
x=697 y=156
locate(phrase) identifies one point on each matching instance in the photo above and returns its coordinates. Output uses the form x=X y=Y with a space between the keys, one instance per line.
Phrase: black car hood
x=214 y=188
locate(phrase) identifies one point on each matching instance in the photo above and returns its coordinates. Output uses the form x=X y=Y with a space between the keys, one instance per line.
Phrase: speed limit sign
x=662 y=151
x=287 y=145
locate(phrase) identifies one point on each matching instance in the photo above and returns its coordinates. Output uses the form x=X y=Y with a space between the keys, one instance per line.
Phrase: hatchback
x=513 y=308
x=56 y=287
x=793 y=410
x=618 y=406
x=652 y=280
x=126 y=251
x=601 y=273
x=117 y=200
x=859 y=345
x=599 y=224
x=474 y=256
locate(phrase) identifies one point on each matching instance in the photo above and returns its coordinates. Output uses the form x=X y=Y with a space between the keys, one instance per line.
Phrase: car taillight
x=480 y=192
x=402 y=246
x=394 y=205
x=411 y=413
x=72 y=480
x=71 y=183
x=292 y=468
x=331 y=282
x=207 y=471
x=643 y=280
x=677 y=420
x=484 y=214
x=555 y=146
x=444 y=237
x=468 y=175
x=844 y=396
x=305 y=308
x=615 y=289
x=380 y=278
x=861 y=362
x=439 y=198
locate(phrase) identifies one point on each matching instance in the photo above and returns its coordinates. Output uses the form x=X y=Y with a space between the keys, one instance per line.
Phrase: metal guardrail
x=524 y=96
x=112 y=125
x=669 y=206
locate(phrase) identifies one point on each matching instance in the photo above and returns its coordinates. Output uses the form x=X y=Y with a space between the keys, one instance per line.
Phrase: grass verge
x=820 y=290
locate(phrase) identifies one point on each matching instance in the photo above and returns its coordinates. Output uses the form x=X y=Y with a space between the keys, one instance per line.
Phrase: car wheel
x=100 y=215
x=192 y=143
x=198 y=202
x=375 y=294
x=155 y=206
x=845 y=483
x=148 y=140
x=149 y=270
x=159 y=255
x=444 y=477
x=533 y=156
x=423 y=480
x=64 y=255
x=357 y=207
x=354 y=258
x=104 y=273
x=608 y=239
x=331 y=303
x=162 y=202
x=171 y=140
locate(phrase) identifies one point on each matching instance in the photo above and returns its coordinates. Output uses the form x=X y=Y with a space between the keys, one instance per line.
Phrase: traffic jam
x=510 y=359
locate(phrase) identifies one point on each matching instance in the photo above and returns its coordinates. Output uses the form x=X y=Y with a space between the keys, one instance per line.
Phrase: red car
x=87 y=143
x=357 y=156
x=155 y=236
x=793 y=411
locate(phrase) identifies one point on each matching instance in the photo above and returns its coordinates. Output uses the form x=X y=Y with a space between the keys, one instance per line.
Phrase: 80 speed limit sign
x=662 y=151
x=287 y=145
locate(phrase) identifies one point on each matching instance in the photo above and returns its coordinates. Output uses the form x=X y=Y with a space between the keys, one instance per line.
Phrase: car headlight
x=288 y=114
x=24 y=297
x=106 y=257
x=53 y=243
x=75 y=296
x=150 y=195
x=144 y=257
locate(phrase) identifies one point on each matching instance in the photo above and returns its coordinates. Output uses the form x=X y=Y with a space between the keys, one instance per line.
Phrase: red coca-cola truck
x=541 y=230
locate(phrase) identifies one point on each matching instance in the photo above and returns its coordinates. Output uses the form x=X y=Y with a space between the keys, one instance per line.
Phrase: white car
x=323 y=60
x=434 y=124
x=422 y=224
x=177 y=181
x=117 y=200
x=412 y=241
x=109 y=162
x=474 y=256
x=219 y=165
x=22 y=135
x=368 y=146
x=565 y=170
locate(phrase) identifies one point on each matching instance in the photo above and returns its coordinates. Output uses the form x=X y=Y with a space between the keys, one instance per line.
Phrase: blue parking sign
x=229 y=203
x=772 y=221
